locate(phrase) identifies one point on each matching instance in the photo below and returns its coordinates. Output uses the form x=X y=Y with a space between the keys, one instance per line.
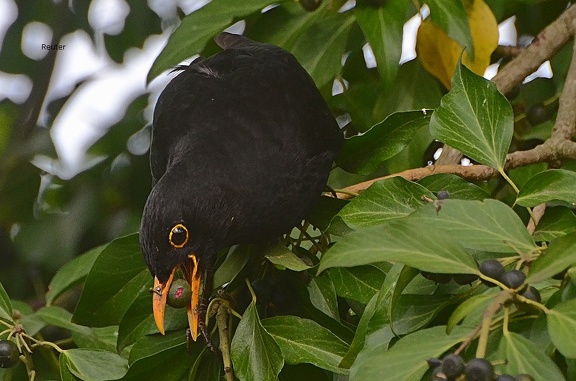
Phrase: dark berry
x=443 y=195
x=179 y=294
x=438 y=278
x=492 y=268
x=452 y=366
x=524 y=377
x=438 y=375
x=505 y=377
x=513 y=278
x=310 y=5
x=479 y=370
x=9 y=354
x=533 y=294
x=434 y=362
x=463 y=279
x=537 y=114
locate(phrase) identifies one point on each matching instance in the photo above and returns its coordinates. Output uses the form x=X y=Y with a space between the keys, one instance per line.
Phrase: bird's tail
x=227 y=40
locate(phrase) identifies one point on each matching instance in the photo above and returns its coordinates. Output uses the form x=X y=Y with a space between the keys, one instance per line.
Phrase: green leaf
x=305 y=341
x=365 y=153
x=232 y=265
x=562 y=325
x=488 y=225
x=161 y=357
x=455 y=185
x=59 y=317
x=406 y=360
x=383 y=27
x=280 y=255
x=283 y=24
x=474 y=304
x=451 y=16
x=65 y=374
x=523 y=356
x=377 y=316
x=138 y=320
x=475 y=119
x=555 y=223
x=413 y=312
x=323 y=295
x=115 y=280
x=5 y=306
x=320 y=48
x=71 y=274
x=554 y=184
x=95 y=365
x=357 y=283
x=255 y=354
x=560 y=255
x=383 y=201
x=405 y=241
x=196 y=29
x=206 y=367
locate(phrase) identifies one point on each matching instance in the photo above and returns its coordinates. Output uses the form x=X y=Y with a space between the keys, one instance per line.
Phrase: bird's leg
x=203 y=308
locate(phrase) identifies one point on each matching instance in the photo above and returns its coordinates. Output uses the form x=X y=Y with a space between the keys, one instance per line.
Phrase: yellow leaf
x=439 y=53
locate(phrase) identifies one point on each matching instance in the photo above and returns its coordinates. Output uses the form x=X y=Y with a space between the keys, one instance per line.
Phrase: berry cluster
x=512 y=279
x=452 y=368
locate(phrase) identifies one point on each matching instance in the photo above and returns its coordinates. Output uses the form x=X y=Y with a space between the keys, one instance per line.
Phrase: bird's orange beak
x=160 y=294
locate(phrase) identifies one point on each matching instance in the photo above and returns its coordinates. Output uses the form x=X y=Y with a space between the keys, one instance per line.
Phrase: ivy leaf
x=357 y=283
x=523 y=356
x=255 y=354
x=116 y=279
x=451 y=16
x=475 y=119
x=383 y=27
x=557 y=222
x=320 y=48
x=455 y=185
x=71 y=274
x=305 y=341
x=280 y=255
x=474 y=304
x=159 y=357
x=406 y=360
x=196 y=29
x=560 y=255
x=5 y=306
x=365 y=153
x=562 y=325
x=383 y=201
x=488 y=225
x=554 y=184
x=405 y=241
x=323 y=295
x=95 y=365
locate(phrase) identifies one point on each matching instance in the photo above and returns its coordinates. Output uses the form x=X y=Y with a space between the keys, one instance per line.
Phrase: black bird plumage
x=242 y=146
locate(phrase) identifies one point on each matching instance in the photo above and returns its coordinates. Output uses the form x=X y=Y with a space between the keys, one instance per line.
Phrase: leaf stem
x=533 y=303
x=504 y=296
x=223 y=334
x=508 y=180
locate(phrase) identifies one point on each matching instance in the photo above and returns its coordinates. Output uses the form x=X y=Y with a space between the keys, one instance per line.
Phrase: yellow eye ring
x=178 y=236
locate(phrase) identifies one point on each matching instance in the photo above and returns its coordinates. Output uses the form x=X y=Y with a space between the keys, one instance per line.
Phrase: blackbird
x=242 y=145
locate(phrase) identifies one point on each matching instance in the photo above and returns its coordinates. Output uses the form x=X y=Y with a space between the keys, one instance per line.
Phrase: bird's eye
x=178 y=236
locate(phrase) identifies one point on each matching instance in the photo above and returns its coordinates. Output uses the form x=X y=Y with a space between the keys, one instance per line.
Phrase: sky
x=102 y=99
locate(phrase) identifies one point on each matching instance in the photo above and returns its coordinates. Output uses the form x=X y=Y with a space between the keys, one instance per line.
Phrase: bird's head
x=170 y=241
